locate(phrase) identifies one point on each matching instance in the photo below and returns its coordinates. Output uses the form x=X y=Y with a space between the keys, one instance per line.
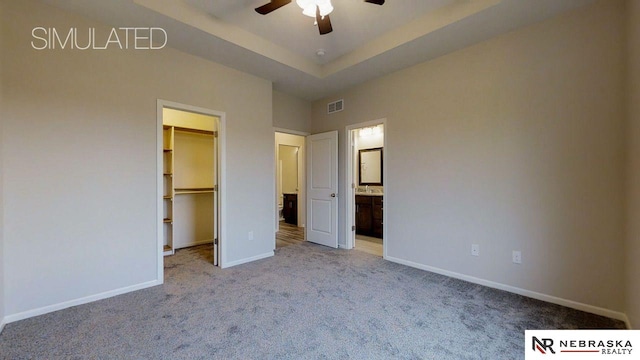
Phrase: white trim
x=302 y=183
x=222 y=179
x=159 y=193
x=222 y=188
x=291 y=132
x=248 y=260
x=196 y=243
x=2 y=324
x=627 y=322
x=80 y=301
x=349 y=237
x=512 y=289
x=350 y=234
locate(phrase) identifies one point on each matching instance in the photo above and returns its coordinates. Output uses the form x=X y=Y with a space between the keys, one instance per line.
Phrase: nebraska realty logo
x=581 y=344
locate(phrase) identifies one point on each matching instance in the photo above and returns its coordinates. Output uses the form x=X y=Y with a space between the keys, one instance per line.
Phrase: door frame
x=350 y=199
x=221 y=164
x=302 y=182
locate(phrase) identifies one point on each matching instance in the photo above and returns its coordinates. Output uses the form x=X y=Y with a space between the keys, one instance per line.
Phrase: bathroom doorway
x=366 y=181
x=290 y=192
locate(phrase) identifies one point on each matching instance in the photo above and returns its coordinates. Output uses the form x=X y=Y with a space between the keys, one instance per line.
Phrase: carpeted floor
x=307 y=302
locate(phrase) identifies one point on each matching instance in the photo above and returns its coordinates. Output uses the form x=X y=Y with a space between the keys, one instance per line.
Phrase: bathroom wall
x=288 y=161
x=296 y=141
x=367 y=139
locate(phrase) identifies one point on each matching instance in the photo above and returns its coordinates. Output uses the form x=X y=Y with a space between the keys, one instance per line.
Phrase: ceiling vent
x=335 y=106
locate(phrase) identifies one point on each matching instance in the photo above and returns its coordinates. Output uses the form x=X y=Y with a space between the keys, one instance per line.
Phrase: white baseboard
x=512 y=289
x=194 y=243
x=247 y=260
x=63 y=305
x=2 y=323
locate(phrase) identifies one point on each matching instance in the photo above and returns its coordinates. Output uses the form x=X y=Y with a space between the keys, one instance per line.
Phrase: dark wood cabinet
x=290 y=209
x=369 y=215
x=377 y=216
x=364 y=215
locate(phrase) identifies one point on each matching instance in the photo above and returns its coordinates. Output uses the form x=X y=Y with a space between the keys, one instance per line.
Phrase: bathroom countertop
x=369 y=194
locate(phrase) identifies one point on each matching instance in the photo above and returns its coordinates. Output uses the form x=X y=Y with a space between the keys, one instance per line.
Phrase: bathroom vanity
x=369 y=209
x=290 y=208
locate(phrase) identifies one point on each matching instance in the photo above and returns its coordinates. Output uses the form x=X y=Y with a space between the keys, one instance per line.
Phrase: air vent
x=335 y=106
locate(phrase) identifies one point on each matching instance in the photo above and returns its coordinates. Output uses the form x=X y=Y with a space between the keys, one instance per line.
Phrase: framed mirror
x=370 y=165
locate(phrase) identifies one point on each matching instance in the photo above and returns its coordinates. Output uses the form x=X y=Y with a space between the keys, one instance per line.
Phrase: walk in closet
x=189 y=176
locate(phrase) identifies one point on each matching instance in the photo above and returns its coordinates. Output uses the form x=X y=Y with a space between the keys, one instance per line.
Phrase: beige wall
x=194 y=164
x=189 y=120
x=371 y=141
x=633 y=179
x=291 y=113
x=79 y=161
x=513 y=144
x=367 y=142
x=288 y=155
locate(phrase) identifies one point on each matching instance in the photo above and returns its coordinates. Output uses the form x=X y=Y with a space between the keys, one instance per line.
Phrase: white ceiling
x=355 y=22
x=367 y=41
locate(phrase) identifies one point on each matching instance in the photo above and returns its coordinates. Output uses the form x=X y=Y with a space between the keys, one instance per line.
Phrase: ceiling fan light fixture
x=325 y=7
x=309 y=7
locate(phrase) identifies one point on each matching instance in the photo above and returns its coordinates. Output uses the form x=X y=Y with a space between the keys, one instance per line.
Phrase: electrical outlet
x=475 y=250
x=250 y=235
x=517 y=257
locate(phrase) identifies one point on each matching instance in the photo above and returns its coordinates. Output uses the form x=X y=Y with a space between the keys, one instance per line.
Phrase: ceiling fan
x=319 y=9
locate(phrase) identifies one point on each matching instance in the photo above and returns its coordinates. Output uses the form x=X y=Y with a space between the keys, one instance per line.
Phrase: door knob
x=333 y=194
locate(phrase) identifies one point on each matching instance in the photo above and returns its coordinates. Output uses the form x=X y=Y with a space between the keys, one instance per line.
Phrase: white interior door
x=322 y=189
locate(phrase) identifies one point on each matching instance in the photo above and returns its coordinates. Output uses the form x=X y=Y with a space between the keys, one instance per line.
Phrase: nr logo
x=542 y=345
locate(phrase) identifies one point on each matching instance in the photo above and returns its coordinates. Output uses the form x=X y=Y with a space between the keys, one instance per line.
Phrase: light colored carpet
x=307 y=302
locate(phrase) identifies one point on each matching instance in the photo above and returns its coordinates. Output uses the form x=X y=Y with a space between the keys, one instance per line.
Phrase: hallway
x=289 y=235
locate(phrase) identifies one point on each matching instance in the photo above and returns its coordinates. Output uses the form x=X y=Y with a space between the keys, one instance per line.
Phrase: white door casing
x=219 y=178
x=322 y=189
x=216 y=200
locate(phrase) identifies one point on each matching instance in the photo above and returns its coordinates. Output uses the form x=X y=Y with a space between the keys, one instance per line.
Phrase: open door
x=322 y=189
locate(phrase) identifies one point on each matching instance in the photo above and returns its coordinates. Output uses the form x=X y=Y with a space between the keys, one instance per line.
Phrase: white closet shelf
x=195 y=131
x=181 y=191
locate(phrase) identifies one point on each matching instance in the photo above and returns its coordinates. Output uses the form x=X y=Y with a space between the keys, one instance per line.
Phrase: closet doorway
x=189 y=178
x=366 y=163
x=290 y=188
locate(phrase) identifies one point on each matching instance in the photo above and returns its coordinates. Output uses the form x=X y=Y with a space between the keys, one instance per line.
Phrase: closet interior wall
x=189 y=179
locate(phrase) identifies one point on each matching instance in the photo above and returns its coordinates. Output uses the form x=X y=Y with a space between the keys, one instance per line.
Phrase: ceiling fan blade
x=273 y=5
x=324 y=23
x=377 y=2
